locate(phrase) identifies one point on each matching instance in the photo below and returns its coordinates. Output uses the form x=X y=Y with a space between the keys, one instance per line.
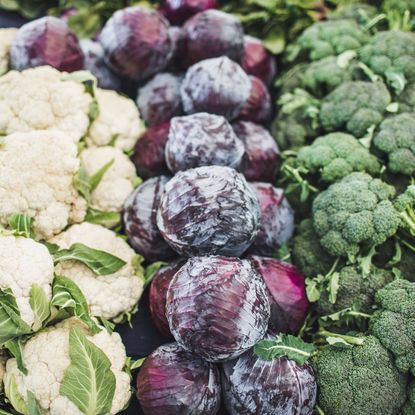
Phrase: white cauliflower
x=40 y=99
x=36 y=179
x=6 y=39
x=46 y=357
x=24 y=262
x=118 y=181
x=118 y=120
x=108 y=296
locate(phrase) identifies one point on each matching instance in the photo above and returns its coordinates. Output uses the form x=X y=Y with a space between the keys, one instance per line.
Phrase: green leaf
x=81 y=182
x=3 y=412
x=285 y=345
x=313 y=288
x=33 y=407
x=15 y=348
x=13 y=395
x=100 y=262
x=40 y=305
x=83 y=77
x=88 y=381
x=96 y=178
x=137 y=181
x=137 y=264
x=151 y=270
x=137 y=363
x=333 y=287
x=336 y=341
x=107 y=325
x=66 y=295
x=274 y=41
x=396 y=80
x=11 y=324
x=22 y=225
x=108 y=219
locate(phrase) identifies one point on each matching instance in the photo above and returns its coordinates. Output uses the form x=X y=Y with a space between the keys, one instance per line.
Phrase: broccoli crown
x=331 y=38
x=406 y=99
x=391 y=53
x=353 y=213
x=336 y=155
x=308 y=255
x=394 y=322
x=396 y=138
x=359 y=380
x=354 y=106
x=409 y=408
x=354 y=290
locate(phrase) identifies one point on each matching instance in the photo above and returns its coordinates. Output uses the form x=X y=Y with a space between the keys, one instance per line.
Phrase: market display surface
x=207 y=207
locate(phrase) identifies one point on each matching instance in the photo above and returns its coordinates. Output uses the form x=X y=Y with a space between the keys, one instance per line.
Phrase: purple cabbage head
x=276 y=226
x=257 y=61
x=176 y=38
x=46 y=41
x=217 y=307
x=258 y=106
x=148 y=156
x=202 y=140
x=136 y=42
x=159 y=99
x=94 y=62
x=253 y=386
x=178 y=11
x=218 y=86
x=173 y=381
x=286 y=293
x=158 y=295
x=210 y=34
x=262 y=156
x=139 y=215
x=208 y=210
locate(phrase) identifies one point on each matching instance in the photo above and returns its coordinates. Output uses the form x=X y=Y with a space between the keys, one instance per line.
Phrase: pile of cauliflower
x=57 y=307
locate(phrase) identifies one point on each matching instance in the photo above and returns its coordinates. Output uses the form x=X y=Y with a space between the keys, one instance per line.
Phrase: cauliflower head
x=354 y=106
x=358 y=380
x=36 y=179
x=396 y=138
x=108 y=296
x=6 y=39
x=118 y=121
x=394 y=322
x=25 y=262
x=117 y=182
x=41 y=99
x=353 y=213
x=46 y=356
x=336 y=155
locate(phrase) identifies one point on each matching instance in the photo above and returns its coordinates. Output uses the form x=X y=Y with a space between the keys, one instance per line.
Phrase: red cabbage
x=178 y=11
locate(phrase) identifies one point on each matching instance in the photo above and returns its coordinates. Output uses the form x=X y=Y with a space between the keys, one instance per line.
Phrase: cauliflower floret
x=36 y=179
x=6 y=39
x=46 y=357
x=25 y=262
x=118 y=181
x=118 y=120
x=108 y=296
x=40 y=99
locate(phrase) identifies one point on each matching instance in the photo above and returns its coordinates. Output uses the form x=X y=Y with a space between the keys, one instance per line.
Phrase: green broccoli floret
x=354 y=291
x=307 y=253
x=391 y=54
x=358 y=380
x=396 y=138
x=409 y=408
x=394 y=322
x=328 y=38
x=355 y=106
x=406 y=99
x=355 y=213
x=360 y=12
x=405 y=205
x=336 y=155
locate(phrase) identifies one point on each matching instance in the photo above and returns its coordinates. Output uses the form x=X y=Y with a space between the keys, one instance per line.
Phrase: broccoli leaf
x=88 y=381
x=15 y=348
x=22 y=225
x=33 y=407
x=396 y=80
x=108 y=219
x=40 y=305
x=285 y=345
x=11 y=324
x=68 y=296
x=101 y=262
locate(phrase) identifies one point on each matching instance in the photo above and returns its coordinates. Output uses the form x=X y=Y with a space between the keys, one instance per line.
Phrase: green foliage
x=360 y=379
x=40 y=306
x=400 y=14
x=27 y=8
x=21 y=225
x=362 y=13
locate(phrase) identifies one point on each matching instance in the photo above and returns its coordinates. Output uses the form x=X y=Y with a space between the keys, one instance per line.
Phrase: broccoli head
x=406 y=99
x=307 y=253
x=391 y=54
x=355 y=106
x=359 y=380
x=336 y=155
x=354 y=290
x=360 y=12
x=394 y=322
x=409 y=408
x=328 y=38
x=355 y=213
x=396 y=138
